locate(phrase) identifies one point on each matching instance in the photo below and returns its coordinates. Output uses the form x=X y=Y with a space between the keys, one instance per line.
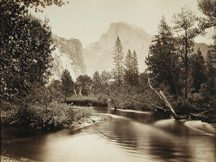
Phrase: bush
x=81 y=113
x=36 y=115
x=102 y=99
x=126 y=96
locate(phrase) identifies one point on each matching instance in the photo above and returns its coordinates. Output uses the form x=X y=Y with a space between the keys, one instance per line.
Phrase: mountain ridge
x=98 y=55
x=132 y=37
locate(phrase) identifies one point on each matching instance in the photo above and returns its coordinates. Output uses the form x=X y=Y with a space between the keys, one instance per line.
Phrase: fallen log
x=200 y=116
x=163 y=97
x=205 y=111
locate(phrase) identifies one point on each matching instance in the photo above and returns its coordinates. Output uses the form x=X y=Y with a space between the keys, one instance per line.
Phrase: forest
x=186 y=77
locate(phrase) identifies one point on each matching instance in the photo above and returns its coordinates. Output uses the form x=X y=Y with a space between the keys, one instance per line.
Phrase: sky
x=87 y=20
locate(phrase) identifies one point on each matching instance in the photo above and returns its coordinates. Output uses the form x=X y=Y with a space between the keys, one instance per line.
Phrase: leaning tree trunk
x=163 y=97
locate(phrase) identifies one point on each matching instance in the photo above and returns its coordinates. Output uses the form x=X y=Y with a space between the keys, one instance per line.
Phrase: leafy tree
x=25 y=50
x=135 y=69
x=208 y=7
x=198 y=70
x=55 y=89
x=162 y=59
x=105 y=78
x=208 y=90
x=67 y=83
x=84 y=84
x=185 y=27
x=37 y=4
x=97 y=82
x=118 y=71
x=25 y=45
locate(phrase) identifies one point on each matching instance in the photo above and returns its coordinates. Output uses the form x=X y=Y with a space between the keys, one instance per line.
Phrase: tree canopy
x=26 y=45
x=208 y=7
x=186 y=29
x=163 y=60
x=67 y=83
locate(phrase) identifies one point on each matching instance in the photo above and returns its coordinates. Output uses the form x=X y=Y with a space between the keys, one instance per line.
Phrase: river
x=126 y=136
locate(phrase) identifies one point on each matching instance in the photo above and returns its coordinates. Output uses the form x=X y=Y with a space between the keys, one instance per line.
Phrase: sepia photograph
x=108 y=80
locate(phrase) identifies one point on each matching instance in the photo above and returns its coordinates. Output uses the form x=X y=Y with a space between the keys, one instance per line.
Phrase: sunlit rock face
x=67 y=55
x=98 y=56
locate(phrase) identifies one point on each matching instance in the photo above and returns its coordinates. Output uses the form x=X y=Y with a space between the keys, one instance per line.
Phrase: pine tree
x=198 y=70
x=118 y=71
x=135 y=69
x=162 y=60
x=128 y=68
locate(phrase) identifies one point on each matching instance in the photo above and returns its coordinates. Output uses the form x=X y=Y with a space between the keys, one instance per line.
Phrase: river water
x=125 y=137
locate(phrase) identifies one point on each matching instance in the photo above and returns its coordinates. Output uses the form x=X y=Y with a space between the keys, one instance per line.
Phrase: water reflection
x=120 y=139
x=165 y=140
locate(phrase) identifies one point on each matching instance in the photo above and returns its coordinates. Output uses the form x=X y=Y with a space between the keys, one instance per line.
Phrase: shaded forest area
x=185 y=77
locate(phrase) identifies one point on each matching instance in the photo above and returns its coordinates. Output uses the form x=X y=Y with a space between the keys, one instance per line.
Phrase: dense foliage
x=26 y=45
x=83 y=84
x=186 y=29
x=67 y=86
x=163 y=62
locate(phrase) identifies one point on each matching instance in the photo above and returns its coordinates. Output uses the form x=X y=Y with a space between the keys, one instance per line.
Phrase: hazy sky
x=87 y=20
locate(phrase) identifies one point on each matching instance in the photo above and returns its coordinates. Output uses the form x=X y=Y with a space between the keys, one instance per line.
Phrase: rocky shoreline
x=84 y=122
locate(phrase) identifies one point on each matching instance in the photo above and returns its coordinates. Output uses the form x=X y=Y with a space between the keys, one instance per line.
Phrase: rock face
x=98 y=56
x=67 y=55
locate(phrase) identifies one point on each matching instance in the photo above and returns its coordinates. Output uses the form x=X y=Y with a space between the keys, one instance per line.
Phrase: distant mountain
x=68 y=55
x=98 y=56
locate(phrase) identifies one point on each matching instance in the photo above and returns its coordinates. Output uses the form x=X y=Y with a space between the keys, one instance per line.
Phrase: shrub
x=82 y=112
x=36 y=115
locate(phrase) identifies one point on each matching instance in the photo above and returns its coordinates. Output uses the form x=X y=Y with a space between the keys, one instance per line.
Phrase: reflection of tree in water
x=125 y=133
x=168 y=148
x=120 y=131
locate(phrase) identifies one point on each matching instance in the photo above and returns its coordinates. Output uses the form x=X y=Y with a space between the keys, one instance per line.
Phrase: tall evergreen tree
x=198 y=70
x=118 y=71
x=185 y=27
x=128 y=68
x=135 y=69
x=162 y=59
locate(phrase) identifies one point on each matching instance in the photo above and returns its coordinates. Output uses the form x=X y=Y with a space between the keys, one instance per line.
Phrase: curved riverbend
x=121 y=138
